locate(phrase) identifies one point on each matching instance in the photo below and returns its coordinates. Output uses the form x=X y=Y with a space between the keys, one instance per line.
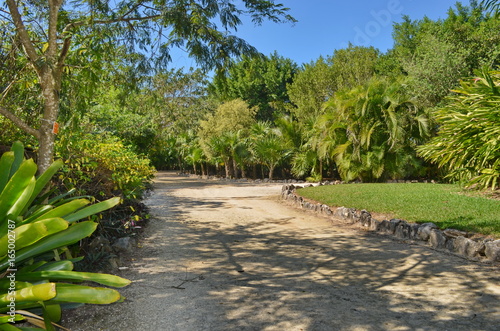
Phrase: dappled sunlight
x=208 y=262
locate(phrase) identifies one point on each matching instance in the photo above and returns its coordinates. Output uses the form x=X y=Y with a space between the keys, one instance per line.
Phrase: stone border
x=469 y=245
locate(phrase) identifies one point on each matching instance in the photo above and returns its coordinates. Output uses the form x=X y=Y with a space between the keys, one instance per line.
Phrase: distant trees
x=435 y=55
x=221 y=133
x=47 y=40
x=158 y=120
x=356 y=114
x=362 y=115
x=261 y=81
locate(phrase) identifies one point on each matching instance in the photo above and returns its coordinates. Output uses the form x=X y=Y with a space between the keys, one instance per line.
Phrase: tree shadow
x=265 y=274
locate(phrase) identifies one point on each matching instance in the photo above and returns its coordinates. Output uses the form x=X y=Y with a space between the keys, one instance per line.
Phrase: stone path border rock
x=469 y=245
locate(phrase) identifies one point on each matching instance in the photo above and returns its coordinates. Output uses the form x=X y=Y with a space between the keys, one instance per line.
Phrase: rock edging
x=468 y=245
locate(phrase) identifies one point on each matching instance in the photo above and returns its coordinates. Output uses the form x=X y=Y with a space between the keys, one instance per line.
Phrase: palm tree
x=491 y=6
x=268 y=146
x=220 y=153
x=196 y=156
x=307 y=159
x=239 y=149
x=468 y=141
x=368 y=130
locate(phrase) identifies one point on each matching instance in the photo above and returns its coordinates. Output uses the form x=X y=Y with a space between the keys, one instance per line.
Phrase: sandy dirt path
x=231 y=256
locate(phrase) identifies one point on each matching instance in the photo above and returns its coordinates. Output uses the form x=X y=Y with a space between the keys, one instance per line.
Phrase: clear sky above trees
x=325 y=25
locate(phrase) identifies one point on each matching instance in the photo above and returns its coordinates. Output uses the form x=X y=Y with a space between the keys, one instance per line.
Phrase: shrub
x=100 y=165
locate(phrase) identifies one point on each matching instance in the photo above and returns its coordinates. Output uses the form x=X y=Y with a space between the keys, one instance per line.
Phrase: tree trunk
x=227 y=166
x=320 y=169
x=243 y=172
x=49 y=68
x=271 y=170
x=235 y=168
x=50 y=83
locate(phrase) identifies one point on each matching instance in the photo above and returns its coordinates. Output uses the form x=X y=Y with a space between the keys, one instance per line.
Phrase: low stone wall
x=469 y=245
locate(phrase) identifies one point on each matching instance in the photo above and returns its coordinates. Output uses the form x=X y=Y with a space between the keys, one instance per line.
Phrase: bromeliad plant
x=34 y=236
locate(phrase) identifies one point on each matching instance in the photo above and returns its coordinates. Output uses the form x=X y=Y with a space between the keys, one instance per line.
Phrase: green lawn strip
x=442 y=204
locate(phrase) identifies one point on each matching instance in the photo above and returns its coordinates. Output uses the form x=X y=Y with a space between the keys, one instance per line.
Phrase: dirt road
x=222 y=256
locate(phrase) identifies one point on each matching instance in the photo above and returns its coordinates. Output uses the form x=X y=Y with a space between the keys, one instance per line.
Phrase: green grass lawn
x=444 y=205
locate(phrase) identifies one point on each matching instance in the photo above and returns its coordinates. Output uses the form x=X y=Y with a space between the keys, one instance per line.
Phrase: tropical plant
x=195 y=157
x=269 y=148
x=222 y=134
x=492 y=6
x=372 y=131
x=468 y=141
x=307 y=159
x=219 y=151
x=34 y=238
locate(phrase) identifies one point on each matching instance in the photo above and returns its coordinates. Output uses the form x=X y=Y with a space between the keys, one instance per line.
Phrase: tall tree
x=437 y=54
x=47 y=30
x=259 y=80
x=314 y=84
x=354 y=65
x=319 y=80
x=221 y=134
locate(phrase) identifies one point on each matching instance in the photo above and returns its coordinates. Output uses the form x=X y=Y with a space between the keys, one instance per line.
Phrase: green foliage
x=154 y=120
x=131 y=122
x=261 y=81
x=269 y=146
x=437 y=54
x=354 y=65
x=311 y=87
x=309 y=155
x=468 y=140
x=317 y=82
x=443 y=204
x=220 y=133
x=179 y=101
x=47 y=42
x=371 y=131
x=33 y=235
x=491 y=6
x=100 y=165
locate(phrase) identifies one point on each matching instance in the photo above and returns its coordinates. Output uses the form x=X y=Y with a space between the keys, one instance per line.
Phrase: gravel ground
x=231 y=256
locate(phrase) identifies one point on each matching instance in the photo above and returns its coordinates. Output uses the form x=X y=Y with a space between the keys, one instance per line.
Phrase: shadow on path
x=215 y=261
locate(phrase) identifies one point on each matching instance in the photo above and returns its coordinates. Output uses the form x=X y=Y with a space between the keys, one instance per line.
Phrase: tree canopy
x=52 y=35
x=259 y=80
x=358 y=114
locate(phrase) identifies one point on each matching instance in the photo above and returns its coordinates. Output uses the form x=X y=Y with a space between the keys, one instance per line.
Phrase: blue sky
x=326 y=25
